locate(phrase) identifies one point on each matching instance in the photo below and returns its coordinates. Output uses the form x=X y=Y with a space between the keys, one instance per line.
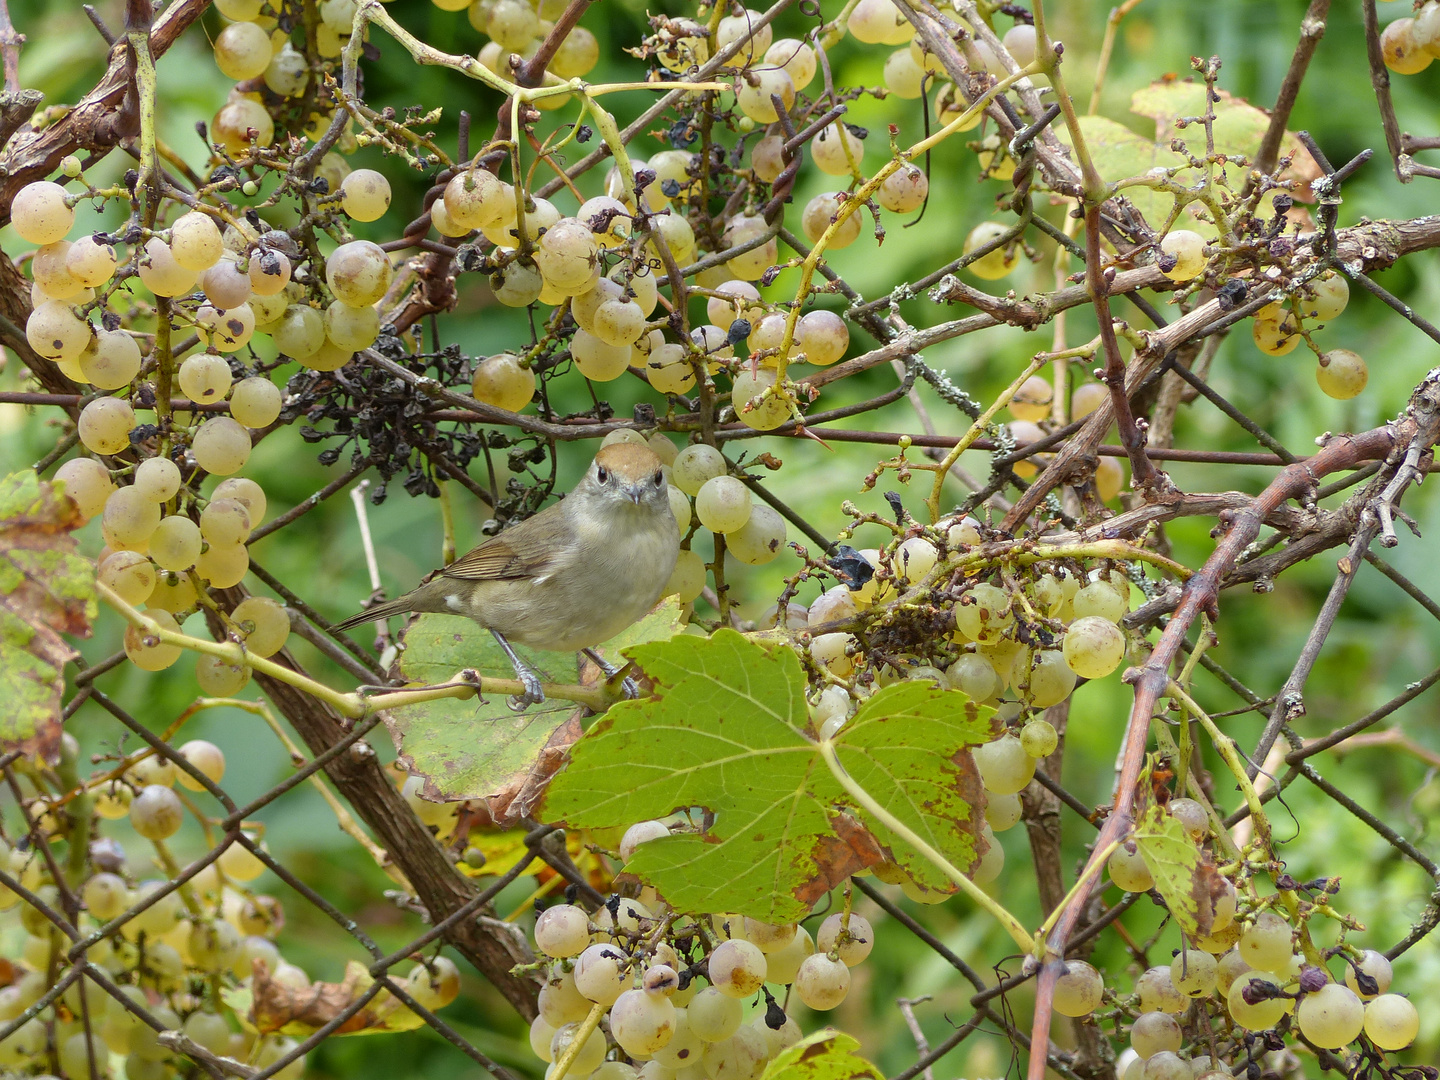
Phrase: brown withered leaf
x=275 y=1007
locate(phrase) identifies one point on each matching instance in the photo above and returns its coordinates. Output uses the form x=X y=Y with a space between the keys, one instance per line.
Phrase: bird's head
x=627 y=475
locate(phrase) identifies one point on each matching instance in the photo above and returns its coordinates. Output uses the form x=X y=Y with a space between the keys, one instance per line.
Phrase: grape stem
x=353 y=706
x=867 y=802
x=577 y=1040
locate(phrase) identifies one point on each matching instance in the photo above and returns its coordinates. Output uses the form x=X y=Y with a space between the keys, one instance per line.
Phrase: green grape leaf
x=482 y=749
x=1119 y=154
x=1187 y=880
x=825 y=1055
x=46 y=589
x=728 y=732
x=1238 y=129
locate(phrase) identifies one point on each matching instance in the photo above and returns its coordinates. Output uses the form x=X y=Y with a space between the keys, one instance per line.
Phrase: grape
x=269 y=273
x=577 y=55
x=288 y=73
x=541 y=1034
x=223 y=566
x=242 y=51
x=619 y=322
x=225 y=285
x=737 y=968
x=563 y=930
x=1187 y=249
x=1265 y=944
x=1158 y=992
x=995 y=264
x=517 y=284
x=1153 y=1032
x=1165 y=1065
x=819 y=214
x=590 y=1054
x=596 y=360
x=712 y=1016
x=1078 y=990
x=502 y=381
x=39 y=212
x=209 y=1029
x=52 y=273
x=110 y=360
x=640 y=833
x=1087 y=398
x=1273 y=338
x=351 y=328
x=225 y=521
x=1020 y=43
x=987 y=614
x=669 y=369
x=904 y=78
x=950 y=105
x=822 y=983
x=642 y=1023
x=853 y=951
x=1002 y=811
x=1331 y=1017
x=241 y=864
x=754 y=99
x=1191 y=815
x=221 y=446
x=255 y=402
x=746 y=304
x=760 y=539
x=358 y=273
x=129 y=519
x=213 y=945
x=234 y=123
x=220 y=678
x=204 y=378
x=694 y=465
x=194 y=238
x=245 y=491
x=1093 y=647
x=1128 y=870
x=265 y=623
x=795 y=57
x=130 y=574
x=685 y=1048
x=175 y=543
x=753 y=410
x=1403 y=53
x=829 y=147
x=106 y=895
x=566 y=255
x=91 y=262
x=1391 y=1022
x=1327 y=296
x=1032 y=400
x=56 y=332
x=833 y=605
x=1377 y=966
x=1099 y=600
x=1342 y=374
x=879 y=22
x=477 y=200
x=156 y=813
x=723 y=504
x=766 y=158
x=1051 y=680
x=161 y=272
x=173 y=592
x=87 y=482
x=598 y=973
x=687 y=579
x=973 y=675
x=1004 y=766
x=1109 y=478
x=1039 y=739
x=1266 y=1013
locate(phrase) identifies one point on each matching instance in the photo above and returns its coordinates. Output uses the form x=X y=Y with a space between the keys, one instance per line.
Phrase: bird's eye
x=659 y=478
x=602 y=474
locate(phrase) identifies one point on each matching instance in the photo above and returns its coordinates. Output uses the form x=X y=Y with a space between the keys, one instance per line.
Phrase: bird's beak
x=634 y=491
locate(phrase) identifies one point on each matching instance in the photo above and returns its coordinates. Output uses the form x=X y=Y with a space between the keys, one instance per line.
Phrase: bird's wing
x=516 y=553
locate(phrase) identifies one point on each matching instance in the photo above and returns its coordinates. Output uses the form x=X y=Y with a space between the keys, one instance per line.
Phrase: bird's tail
x=398 y=606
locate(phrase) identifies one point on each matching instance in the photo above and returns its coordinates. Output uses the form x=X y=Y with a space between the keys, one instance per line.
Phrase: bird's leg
x=533 y=694
x=627 y=687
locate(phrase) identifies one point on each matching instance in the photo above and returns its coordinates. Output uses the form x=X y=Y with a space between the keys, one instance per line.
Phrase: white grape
x=822 y=983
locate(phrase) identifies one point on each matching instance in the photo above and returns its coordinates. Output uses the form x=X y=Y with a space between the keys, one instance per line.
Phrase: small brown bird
x=569 y=578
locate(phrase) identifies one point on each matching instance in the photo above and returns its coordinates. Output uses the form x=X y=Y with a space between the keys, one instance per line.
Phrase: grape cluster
x=682 y=997
x=174 y=958
x=1409 y=44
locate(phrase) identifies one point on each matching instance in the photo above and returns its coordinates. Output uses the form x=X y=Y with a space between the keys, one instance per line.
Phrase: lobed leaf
x=728 y=732
x=825 y=1055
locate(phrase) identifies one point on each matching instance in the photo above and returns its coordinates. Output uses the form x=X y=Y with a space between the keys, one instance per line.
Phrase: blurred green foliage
x=1381 y=641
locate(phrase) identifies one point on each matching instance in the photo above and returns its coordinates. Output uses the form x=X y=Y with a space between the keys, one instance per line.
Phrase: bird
x=570 y=577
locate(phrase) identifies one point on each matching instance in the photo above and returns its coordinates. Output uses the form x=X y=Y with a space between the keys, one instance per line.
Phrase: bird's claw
x=629 y=688
x=533 y=694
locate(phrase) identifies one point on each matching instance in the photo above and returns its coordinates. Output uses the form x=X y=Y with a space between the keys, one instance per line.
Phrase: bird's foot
x=533 y=694
x=628 y=686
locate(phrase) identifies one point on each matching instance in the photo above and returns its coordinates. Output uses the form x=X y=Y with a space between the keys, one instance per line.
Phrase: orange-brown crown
x=630 y=462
